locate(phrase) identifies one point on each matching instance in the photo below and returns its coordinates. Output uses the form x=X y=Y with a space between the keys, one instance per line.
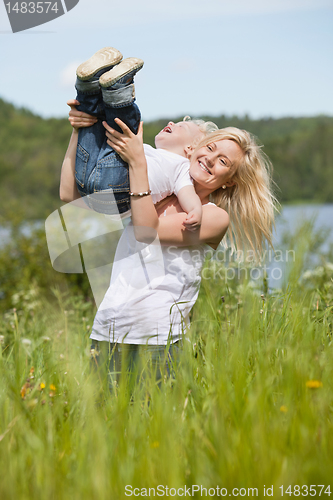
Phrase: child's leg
x=87 y=83
x=111 y=172
x=119 y=94
x=89 y=95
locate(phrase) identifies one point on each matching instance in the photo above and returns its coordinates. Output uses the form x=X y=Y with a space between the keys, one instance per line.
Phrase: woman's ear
x=230 y=183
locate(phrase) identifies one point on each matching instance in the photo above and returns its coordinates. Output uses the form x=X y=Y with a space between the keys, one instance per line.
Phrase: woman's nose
x=171 y=123
x=210 y=161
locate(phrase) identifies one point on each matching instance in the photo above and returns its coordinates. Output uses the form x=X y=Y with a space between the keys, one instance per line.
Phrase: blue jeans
x=99 y=170
x=135 y=361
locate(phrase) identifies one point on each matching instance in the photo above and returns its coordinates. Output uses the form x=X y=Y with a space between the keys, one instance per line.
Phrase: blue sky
x=264 y=57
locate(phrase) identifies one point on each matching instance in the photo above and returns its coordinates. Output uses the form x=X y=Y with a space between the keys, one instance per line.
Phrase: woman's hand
x=128 y=145
x=78 y=119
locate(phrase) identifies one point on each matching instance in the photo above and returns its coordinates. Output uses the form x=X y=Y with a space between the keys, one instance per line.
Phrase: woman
x=156 y=276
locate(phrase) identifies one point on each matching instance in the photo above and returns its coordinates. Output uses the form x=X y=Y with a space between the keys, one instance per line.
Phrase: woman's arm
x=68 y=189
x=214 y=225
x=171 y=230
x=130 y=147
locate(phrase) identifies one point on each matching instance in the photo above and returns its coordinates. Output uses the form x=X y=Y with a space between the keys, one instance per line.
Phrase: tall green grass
x=250 y=403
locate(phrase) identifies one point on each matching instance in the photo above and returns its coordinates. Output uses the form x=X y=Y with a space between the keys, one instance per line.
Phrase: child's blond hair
x=205 y=127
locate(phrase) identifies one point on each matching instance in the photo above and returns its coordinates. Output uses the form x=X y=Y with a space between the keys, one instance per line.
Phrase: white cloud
x=68 y=75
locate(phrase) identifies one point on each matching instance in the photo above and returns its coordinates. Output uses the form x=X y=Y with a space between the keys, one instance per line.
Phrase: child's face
x=178 y=137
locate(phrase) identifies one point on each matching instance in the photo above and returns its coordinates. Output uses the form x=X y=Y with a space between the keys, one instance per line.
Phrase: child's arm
x=190 y=203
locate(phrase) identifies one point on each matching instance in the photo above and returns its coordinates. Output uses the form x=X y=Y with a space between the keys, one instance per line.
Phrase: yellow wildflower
x=314 y=384
x=284 y=409
x=41 y=386
x=52 y=387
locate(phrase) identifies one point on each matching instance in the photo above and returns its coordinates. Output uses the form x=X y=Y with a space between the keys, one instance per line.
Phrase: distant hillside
x=32 y=149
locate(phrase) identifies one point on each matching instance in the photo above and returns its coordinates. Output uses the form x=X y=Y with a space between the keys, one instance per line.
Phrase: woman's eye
x=223 y=162
x=209 y=147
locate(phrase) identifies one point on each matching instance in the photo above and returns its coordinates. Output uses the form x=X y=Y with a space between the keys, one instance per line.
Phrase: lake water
x=294 y=215
x=5 y=232
x=291 y=217
x=277 y=263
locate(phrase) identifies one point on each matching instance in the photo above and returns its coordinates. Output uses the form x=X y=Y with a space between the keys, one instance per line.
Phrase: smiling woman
x=149 y=302
x=227 y=179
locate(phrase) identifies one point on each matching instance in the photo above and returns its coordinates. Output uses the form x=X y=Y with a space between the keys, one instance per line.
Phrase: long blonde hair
x=250 y=203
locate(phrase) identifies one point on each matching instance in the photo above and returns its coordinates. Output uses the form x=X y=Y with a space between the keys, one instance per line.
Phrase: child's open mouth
x=167 y=129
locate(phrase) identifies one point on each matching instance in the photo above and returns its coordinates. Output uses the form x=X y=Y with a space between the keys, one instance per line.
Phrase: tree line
x=32 y=149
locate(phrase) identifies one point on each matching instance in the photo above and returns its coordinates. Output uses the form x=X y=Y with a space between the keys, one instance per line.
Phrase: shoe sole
x=101 y=59
x=124 y=68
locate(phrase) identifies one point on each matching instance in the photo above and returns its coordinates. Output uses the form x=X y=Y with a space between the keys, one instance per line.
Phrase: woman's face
x=211 y=165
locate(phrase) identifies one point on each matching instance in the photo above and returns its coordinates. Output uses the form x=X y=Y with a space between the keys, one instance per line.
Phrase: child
x=105 y=89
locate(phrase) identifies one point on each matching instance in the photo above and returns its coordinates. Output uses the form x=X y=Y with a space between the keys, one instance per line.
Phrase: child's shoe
x=122 y=74
x=103 y=60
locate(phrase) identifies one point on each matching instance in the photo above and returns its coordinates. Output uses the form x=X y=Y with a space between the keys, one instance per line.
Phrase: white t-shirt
x=167 y=172
x=152 y=291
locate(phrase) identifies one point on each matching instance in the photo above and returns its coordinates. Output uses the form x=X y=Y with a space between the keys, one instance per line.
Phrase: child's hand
x=193 y=220
x=78 y=119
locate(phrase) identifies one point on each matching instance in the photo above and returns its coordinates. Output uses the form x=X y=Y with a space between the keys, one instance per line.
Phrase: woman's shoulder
x=214 y=209
x=215 y=222
x=218 y=216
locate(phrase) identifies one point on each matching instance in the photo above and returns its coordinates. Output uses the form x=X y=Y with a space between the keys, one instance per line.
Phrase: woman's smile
x=204 y=168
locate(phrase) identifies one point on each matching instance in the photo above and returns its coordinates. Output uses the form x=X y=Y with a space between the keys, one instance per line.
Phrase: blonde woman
x=148 y=304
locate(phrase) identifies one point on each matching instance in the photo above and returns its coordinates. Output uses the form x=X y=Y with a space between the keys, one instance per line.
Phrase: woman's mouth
x=167 y=129
x=204 y=168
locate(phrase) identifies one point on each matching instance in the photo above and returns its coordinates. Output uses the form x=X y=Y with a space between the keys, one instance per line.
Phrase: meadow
x=248 y=408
